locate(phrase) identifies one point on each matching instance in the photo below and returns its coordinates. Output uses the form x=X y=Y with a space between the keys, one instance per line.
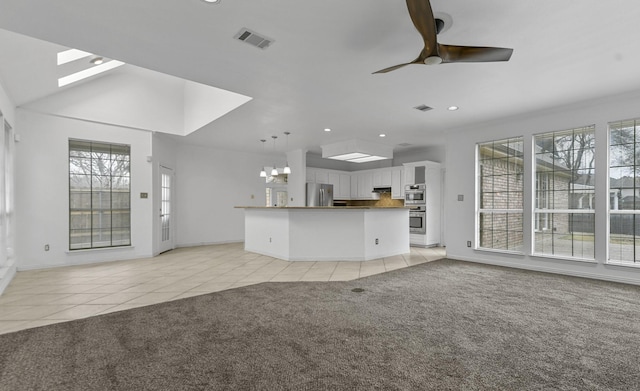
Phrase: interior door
x=166 y=210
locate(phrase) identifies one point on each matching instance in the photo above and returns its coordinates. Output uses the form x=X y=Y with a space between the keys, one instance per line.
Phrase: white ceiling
x=318 y=72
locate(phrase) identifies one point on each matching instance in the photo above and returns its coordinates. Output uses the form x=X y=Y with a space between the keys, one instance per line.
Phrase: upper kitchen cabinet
x=345 y=186
x=317 y=175
x=416 y=172
x=340 y=180
x=354 y=186
x=382 y=177
x=397 y=184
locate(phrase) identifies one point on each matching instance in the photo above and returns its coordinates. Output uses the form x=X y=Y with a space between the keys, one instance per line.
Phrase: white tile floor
x=41 y=297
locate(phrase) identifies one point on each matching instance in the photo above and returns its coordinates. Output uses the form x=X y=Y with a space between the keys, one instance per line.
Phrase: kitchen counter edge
x=322 y=207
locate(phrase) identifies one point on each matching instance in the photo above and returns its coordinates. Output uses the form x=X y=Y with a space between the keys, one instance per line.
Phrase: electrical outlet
x=468 y=243
x=377 y=241
x=460 y=197
x=269 y=240
x=46 y=247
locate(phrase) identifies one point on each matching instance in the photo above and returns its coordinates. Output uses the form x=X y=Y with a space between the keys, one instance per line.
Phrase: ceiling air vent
x=423 y=108
x=404 y=145
x=253 y=38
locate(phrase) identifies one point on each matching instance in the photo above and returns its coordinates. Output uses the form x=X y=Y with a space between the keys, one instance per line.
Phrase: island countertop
x=323 y=207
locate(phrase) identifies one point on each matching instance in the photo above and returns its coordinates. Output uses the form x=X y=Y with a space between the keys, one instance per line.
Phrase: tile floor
x=41 y=297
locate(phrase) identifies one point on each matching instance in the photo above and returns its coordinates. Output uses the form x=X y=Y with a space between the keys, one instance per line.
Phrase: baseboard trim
x=543 y=269
x=182 y=245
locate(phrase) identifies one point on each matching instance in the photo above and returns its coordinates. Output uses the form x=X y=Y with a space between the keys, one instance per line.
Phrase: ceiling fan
x=435 y=53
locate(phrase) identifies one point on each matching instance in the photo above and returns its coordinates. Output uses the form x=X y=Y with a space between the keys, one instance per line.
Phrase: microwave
x=414 y=194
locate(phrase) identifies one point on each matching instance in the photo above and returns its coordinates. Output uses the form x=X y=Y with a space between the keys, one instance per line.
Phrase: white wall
x=210 y=183
x=7 y=237
x=7 y=107
x=461 y=166
x=42 y=190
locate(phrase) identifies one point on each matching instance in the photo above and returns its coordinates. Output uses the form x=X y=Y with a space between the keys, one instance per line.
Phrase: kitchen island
x=333 y=233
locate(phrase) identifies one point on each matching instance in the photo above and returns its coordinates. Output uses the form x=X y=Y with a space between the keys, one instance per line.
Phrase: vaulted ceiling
x=317 y=73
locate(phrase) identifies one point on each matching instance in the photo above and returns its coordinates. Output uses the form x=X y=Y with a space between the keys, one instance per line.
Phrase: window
x=624 y=191
x=564 y=195
x=99 y=195
x=499 y=217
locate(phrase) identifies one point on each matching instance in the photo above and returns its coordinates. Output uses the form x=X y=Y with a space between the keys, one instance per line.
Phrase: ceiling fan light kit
x=433 y=60
x=435 y=53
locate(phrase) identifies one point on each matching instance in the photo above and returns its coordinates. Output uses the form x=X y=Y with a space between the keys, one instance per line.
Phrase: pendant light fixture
x=287 y=169
x=263 y=173
x=274 y=171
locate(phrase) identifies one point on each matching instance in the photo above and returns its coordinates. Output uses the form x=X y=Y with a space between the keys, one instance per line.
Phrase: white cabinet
x=358 y=185
x=354 y=186
x=397 y=187
x=365 y=185
x=340 y=180
x=409 y=174
x=333 y=178
x=382 y=177
x=322 y=176
x=345 y=186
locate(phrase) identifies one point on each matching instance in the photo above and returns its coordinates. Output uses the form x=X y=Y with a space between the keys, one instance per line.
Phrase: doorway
x=166 y=210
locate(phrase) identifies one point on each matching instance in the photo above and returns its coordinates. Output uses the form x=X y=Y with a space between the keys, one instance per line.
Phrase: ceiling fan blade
x=452 y=53
x=393 y=68
x=422 y=18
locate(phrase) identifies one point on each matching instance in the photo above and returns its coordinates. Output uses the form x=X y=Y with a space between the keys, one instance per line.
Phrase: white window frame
x=478 y=197
x=629 y=212
x=548 y=211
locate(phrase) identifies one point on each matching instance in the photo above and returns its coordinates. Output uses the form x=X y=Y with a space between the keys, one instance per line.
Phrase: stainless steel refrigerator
x=319 y=194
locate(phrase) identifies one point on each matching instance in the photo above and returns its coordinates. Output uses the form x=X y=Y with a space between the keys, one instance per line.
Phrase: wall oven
x=417 y=220
x=414 y=194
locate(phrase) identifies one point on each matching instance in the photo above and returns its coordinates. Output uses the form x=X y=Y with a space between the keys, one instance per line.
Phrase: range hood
x=381 y=190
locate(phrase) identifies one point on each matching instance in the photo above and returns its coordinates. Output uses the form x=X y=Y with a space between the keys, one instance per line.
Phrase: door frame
x=164 y=246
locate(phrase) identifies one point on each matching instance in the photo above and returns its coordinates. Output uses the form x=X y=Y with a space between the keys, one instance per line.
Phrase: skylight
x=71 y=55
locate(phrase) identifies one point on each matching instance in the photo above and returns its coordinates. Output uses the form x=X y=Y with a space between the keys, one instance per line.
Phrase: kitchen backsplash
x=385 y=200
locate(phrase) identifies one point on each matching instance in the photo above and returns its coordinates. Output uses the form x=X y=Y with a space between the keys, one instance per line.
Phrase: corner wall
x=460 y=216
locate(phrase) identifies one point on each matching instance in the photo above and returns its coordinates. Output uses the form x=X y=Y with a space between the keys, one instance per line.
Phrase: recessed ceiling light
x=452 y=108
x=212 y=1
x=97 y=60
x=383 y=135
x=327 y=130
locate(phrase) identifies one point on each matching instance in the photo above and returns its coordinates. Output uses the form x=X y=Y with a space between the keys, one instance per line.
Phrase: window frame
x=630 y=212
x=550 y=211
x=479 y=209
x=124 y=241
